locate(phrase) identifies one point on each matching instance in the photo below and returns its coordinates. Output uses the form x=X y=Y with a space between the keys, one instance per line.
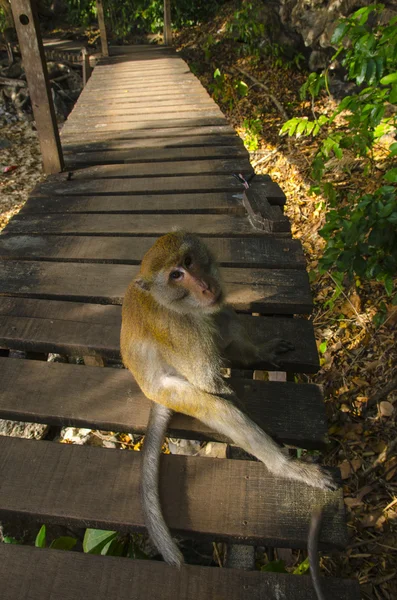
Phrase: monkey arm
x=237 y=347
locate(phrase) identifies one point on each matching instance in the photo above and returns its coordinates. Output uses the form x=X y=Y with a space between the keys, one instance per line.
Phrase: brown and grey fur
x=175 y=337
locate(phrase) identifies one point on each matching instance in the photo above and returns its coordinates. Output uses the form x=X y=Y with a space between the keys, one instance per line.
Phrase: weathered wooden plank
x=149 y=155
x=114 y=224
x=198 y=121
x=153 y=82
x=29 y=37
x=139 y=80
x=160 y=132
x=132 y=95
x=100 y=488
x=50 y=574
x=265 y=252
x=140 y=185
x=205 y=203
x=81 y=119
x=74 y=145
x=150 y=105
x=79 y=329
x=139 y=100
x=211 y=167
x=126 y=109
x=263 y=215
x=110 y=399
x=250 y=289
x=263 y=186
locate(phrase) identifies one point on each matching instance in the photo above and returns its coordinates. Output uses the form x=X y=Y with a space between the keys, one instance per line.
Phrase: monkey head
x=181 y=274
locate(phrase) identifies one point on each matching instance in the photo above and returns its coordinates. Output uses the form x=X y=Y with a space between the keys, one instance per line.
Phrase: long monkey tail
x=159 y=419
x=312 y=550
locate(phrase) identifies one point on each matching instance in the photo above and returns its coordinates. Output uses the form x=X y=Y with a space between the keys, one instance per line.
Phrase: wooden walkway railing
x=148 y=150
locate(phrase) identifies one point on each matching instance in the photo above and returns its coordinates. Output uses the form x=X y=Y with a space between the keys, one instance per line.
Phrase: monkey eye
x=188 y=261
x=176 y=275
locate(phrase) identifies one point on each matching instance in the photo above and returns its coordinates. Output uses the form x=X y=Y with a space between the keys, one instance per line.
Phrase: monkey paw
x=325 y=480
x=281 y=346
x=271 y=350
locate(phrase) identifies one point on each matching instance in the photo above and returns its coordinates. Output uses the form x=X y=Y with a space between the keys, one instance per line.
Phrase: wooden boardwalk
x=148 y=150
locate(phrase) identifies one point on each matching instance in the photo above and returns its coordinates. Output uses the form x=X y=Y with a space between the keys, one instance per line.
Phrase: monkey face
x=181 y=274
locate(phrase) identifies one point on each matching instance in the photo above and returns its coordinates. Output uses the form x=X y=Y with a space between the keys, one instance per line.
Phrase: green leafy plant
x=360 y=230
x=61 y=543
x=252 y=133
x=247 y=27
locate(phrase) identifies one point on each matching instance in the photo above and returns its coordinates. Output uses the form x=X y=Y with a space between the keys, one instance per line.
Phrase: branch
x=273 y=98
x=12 y=82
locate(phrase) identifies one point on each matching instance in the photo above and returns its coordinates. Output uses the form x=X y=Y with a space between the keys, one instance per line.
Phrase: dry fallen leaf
x=345 y=469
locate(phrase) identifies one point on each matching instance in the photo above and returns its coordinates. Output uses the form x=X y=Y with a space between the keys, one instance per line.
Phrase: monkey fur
x=177 y=332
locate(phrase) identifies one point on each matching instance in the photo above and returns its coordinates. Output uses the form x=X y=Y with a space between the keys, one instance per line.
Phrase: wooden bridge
x=147 y=150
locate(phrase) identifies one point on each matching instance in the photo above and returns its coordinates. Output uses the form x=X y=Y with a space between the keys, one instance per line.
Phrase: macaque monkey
x=176 y=335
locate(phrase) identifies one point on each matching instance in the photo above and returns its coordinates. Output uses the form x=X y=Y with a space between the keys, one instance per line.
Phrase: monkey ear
x=142 y=283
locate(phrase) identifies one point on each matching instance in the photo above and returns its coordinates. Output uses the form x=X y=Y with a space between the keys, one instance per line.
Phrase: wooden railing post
x=102 y=27
x=31 y=45
x=85 y=60
x=167 y=23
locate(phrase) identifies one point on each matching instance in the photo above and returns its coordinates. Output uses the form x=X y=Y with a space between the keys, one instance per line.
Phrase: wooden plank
x=263 y=186
x=110 y=399
x=125 y=108
x=29 y=37
x=131 y=95
x=50 y=574
x=160 y=132
x=141 y=185
x=205 y=203
x=79 y=329
x=80 y=118
x=129 y=98
x=147 y=169
x=140 y=79
x=264 y=252
x=113 y=224
x=71 y=127
x=147 y=155
x=199 y=102
x=263 y=215
x=249 y=289
x=82 y=486
x=74 y=145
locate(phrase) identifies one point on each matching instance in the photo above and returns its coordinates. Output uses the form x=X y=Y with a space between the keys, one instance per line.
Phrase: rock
x=386 y=408
x=20 y=429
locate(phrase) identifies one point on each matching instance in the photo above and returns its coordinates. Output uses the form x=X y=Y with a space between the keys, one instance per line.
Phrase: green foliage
x=227 y=91
x=253 y=130
x=360 y=231
x=274 y=566
x=40 y=541
x=247 y=27
x=81 y=12
x=8 y=539
x=3 y=20
x=111 y=543
x=302 y=568
x=140 y=16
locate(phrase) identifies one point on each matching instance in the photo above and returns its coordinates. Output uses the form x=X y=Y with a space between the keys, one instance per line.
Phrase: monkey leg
x=226 y=418
x=160 y=535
